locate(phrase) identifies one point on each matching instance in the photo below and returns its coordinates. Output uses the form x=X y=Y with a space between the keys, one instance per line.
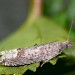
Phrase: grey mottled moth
x=24 y=56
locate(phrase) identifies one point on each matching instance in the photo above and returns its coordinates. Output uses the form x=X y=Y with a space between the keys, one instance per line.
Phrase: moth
x=24 y=56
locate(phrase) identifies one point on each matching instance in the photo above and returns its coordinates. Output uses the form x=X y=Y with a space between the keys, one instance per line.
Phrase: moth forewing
x=23 y=56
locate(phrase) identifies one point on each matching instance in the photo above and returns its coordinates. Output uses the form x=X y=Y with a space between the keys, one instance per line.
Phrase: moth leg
x=44 y=63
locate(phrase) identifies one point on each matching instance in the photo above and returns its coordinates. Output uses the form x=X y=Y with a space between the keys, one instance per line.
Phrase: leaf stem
x=36 y=8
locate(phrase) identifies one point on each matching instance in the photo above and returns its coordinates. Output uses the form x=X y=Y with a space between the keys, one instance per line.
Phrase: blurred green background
x=24 y=23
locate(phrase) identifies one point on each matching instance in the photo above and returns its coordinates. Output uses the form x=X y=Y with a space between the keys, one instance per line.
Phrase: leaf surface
x=40 y=31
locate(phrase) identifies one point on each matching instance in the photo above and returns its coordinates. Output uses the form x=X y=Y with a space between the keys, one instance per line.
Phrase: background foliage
x=53 y=25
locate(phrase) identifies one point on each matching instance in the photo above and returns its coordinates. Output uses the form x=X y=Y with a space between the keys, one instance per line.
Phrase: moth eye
x=0 y=55
x=60 y=50
x=66 y=46
x=0 y=59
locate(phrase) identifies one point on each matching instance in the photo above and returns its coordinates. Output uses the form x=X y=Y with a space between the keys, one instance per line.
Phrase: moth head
x=66 y=44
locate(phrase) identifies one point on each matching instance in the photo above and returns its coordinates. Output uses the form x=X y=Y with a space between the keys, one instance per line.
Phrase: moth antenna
x=70 y=31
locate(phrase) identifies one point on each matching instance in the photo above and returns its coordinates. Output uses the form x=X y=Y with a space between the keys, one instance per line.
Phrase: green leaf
x=53 y=61
x=13 y=70
x=40 y=31
x=62 y=56
x=34 y=66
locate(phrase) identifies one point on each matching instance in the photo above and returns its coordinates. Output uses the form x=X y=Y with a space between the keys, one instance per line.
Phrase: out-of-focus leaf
x=56 y=10
x=51 y=7
x=71 y=9
x=56 y=6
x=61 y=18
x=40 y=31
